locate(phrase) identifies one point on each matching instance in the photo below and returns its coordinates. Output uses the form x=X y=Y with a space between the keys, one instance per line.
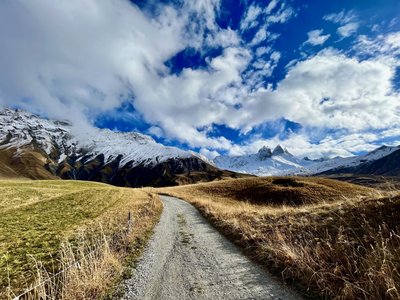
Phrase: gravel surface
x=188 y=259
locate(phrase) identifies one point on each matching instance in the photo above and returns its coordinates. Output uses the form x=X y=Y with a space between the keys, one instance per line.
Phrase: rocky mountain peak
x=264 y=153
x=279 y=150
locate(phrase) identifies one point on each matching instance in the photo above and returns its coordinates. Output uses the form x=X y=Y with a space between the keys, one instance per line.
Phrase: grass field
x=36 y=217
x=331 y=239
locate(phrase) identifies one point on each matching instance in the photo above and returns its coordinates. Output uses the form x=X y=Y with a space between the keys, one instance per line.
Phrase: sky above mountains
x=322 y=78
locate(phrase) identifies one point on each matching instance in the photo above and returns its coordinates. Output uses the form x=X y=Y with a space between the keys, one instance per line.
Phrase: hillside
x=388 y=165
x=36 y=217
x=331 y=239
x=27 y=164
x=277 y=191
x=38 y=148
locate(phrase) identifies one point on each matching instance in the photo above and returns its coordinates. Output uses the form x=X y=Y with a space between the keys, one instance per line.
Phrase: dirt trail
x=188 y=259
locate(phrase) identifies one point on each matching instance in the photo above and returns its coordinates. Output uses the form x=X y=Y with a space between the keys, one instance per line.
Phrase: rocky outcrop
x=264 y=153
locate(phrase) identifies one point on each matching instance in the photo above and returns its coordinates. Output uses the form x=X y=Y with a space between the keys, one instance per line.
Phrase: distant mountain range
x=279 y=161
x=39 y=148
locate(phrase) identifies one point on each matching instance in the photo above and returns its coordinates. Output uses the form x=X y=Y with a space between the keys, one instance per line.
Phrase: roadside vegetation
x=331 y=239
x=48 y=226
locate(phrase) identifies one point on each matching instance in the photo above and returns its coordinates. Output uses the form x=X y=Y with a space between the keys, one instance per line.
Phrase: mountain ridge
x=266 y=162
x=388 y=165
x=126 y=159
x=38 y=148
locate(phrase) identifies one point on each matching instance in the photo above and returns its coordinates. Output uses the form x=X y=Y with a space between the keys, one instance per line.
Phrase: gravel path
x=188 y=259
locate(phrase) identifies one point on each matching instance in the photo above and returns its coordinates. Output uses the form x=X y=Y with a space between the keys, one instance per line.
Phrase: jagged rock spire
x=264 y=152
x=279 y=150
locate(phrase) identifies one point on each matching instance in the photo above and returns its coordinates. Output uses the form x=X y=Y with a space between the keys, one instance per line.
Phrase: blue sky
x=219 y=77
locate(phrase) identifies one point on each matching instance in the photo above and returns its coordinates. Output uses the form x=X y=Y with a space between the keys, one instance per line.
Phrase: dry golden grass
x=38 y=217
x=330 y=239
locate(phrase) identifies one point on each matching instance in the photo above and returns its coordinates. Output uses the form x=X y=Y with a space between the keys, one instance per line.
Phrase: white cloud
x=271 y=5
x=254 y=12
x=348 y=29
x=249 y=21
x=393 y=22
x=195 y=99
x=275 y=56
x=262 y=50
x=156 y=131
x=209 y=154
x=342 y=17
x=375 y=28
x=282 y=16
x=260 y=36
x=223 y=38
x=383 y=45
x=68 y=58
x=330 y=90
x=315 y=37
x=348 y=21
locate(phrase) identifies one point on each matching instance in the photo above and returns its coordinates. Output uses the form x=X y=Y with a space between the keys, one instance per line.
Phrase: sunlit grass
x=37 y=216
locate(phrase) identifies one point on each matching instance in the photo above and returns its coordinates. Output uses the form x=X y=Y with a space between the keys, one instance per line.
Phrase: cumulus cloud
x=156 y=131
x=331 y=90
x=70 y=59
x=195 y=99
x=315 y=37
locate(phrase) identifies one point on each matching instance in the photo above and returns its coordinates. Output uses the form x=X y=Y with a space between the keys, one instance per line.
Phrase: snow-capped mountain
x=131 y=159
x=55 y=138
x=280 y=162
x=266 y=162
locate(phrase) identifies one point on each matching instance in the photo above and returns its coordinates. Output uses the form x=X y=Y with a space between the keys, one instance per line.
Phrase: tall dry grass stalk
x=88 y=267
x=98 y=264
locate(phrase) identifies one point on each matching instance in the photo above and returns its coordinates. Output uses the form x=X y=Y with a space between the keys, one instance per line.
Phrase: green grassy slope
x=36 y=216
